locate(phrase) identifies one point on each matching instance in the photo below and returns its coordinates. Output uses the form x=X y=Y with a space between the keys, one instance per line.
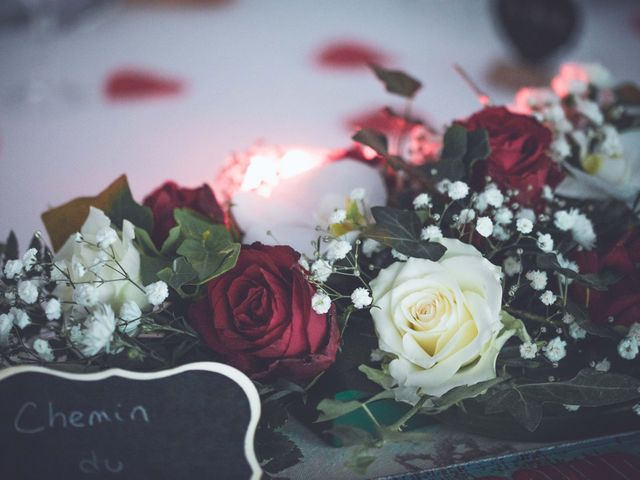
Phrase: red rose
x=620 y=301
x=518 y=159
x=163 y=200
x=258 y=316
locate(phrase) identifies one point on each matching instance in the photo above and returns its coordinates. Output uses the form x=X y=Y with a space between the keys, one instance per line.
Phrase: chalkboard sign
x=196 y=421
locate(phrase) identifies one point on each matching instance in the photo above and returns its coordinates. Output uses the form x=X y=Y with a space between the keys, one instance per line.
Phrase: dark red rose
x=620 y=301
x=258 y=316
x=164 y=199
x=518 y=159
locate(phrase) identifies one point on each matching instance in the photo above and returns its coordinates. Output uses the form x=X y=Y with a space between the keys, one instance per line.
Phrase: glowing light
x=267 y=168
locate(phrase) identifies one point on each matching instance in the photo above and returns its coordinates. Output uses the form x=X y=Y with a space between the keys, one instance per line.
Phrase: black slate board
x=196 y=421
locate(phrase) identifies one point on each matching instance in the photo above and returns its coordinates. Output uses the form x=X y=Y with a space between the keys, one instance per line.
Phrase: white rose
x=441 y=319
x=115 y=290
x=607 y=177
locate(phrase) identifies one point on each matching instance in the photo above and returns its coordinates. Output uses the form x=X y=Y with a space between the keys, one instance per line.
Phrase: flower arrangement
x=487 y=271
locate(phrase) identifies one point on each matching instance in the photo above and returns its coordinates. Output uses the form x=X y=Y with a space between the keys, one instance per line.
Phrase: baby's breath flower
x=628 y=348
x=524 y=226
x=568 y=318
x=443 y=185
x=636 y=409
x=43 y=349
x=431 y=233
x=52 y=309
x=321 y=270
x=503 y=216
x=302 y=261
x=85 y=295
x=555 y=349
x=576 y=331
x=371 y=246
x=157 y=292
x=78 y=267
x=130 y=311
x=545 y=242
x=337 y=249
x=105 y=237
x=528 y=350
x=548 y=298
x=501 y=233
x=13 y=268
x=458 y=190
x=361 y=298
x=494 y=197
x=564 y=220
x=571 y=408
x=466 y=215
x=6 y=323
x=29 y=259
x=538 y=279
x=603 y=365
x=28 y=291
x=338 y=216
x=320 y=302
x=422 y=201
x=512 y=266
x=634 y=331
x=484 y=226
x=399 y=256
x=526 y=213
x=20 y=317
x=583 y=232
x=98 y=331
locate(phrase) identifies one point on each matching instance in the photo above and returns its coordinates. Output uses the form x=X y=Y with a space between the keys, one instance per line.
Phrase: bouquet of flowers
x=486 y=274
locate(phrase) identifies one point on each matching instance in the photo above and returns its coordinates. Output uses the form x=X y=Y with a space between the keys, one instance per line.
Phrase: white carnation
x=361 y=298
x=157 y=292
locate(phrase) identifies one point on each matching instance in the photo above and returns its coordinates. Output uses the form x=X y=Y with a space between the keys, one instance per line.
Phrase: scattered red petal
x=133 y=84
x=349 y=54
x=378 y=119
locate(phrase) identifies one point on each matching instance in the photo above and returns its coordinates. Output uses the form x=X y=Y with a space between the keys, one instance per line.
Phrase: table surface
x=250 y=74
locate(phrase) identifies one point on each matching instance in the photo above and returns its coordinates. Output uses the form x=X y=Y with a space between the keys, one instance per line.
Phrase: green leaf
x=401 y=230
x=115 y=201
x=512 y=323
x=180 y=273
x=331 y=409
x=11 y=247
x=458 y=394
x=477 y=147
x=150 y=266
x=379 y=377
x=397 y=82
x=601 y=281
x=145 y=242
x=581 y=317
x=171 y=242
x=460 y=151
x=276 y=451
x=525 y=411
x=374 y=139
x=209 y=248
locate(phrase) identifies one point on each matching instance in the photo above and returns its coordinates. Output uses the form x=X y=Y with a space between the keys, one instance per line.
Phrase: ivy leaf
x=151 y=266
x=331 y=409
x=171 y=242
x=548 y=261
x=477 y=147
x=379 y=377
x=372 y=138
x=145 y=242
x=401 y=229
x=11 y=247
x=209 y=248
x=179 y=274
x=460 y=151
x=397 y=82
x=116 y=201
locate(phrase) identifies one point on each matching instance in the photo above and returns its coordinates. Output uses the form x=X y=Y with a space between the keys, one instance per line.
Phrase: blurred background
x=168 y=89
